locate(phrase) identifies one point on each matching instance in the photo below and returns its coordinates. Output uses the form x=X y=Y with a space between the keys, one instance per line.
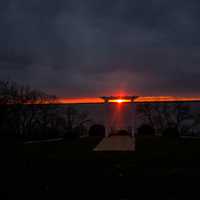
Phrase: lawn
x=154 y=156
x=42 y=168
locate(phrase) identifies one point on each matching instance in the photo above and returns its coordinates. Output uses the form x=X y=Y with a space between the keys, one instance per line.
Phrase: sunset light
x=119 y=101
x=124 y=100
x=99 y=89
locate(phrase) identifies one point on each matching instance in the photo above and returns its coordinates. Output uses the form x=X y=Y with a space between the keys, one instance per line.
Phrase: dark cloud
x=96 y=47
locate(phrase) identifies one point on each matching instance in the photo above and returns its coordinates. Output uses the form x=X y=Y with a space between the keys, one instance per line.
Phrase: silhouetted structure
x=119 y=124
x=108 y=98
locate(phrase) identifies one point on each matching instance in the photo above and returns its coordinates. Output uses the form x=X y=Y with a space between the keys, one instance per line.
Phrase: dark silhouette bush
x=80 y=131
x=97 y=130
x=146 y=129
x=76 y=132
x=71 y=135
x=123 y=132
x=171 y=132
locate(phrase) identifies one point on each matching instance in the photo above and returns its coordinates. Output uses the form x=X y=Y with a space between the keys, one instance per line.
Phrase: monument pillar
x=122 y=99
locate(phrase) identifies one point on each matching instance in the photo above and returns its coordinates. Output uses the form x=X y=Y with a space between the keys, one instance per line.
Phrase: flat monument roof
x=119 y=97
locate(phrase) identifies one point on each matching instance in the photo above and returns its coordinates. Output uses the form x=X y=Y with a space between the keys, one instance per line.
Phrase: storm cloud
x=75 y=48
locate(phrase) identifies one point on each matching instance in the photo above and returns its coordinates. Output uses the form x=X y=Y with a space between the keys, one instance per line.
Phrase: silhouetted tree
x=161 y=116
x=20 y=112
x=123 y=133
x=146 y=129
x=31 y=114
x=74 y=121
x=146 y=110
x=171 y=131
x=12 y=93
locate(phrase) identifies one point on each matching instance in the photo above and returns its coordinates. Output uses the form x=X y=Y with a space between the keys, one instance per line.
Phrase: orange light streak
x=146 y=99
x=79 y=100
x=119 y=101
x=138 y=100
x=166 y=99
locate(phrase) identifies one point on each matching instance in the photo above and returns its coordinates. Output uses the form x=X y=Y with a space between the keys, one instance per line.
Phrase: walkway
x=116 y=143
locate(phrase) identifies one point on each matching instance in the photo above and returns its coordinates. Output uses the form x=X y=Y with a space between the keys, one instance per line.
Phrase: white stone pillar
x=133 y=118
x=106 y=117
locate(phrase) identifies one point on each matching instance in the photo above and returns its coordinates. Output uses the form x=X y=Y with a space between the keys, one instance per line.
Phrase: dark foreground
x=160 y=168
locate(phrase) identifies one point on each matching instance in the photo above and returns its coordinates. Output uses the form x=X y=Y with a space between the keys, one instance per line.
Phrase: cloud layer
x=80 y=48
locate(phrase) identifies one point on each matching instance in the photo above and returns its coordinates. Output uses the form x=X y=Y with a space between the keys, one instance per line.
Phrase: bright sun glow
x=119 y=101
x=122 y=100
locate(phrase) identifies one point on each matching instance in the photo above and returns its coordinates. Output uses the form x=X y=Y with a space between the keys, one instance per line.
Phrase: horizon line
x=141 y=99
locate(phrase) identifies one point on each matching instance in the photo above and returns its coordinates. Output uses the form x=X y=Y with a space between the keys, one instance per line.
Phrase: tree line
x=169 y=119
x=28 y=114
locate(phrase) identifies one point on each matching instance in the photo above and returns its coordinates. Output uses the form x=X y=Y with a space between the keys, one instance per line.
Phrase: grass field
x=46 y=169
x=153 y=156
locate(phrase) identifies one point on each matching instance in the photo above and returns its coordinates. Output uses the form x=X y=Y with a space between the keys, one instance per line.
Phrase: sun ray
x=119 y=101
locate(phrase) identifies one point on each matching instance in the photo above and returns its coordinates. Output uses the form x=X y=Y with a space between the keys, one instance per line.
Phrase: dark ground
x=160 y=168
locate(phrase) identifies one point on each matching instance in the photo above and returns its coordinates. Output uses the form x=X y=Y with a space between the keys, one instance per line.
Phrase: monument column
x=106 y=114
x=126 y=99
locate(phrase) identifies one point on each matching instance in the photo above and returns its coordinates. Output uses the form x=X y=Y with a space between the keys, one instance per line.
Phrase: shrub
x=123 y=132
x=97 y=130
x=146 y=129
x=171 y=132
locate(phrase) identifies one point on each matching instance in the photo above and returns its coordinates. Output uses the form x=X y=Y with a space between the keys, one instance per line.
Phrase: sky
x=89 y=48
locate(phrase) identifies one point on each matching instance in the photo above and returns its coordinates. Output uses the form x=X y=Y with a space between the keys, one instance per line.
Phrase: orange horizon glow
x=138 y=100
x=79 y=100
